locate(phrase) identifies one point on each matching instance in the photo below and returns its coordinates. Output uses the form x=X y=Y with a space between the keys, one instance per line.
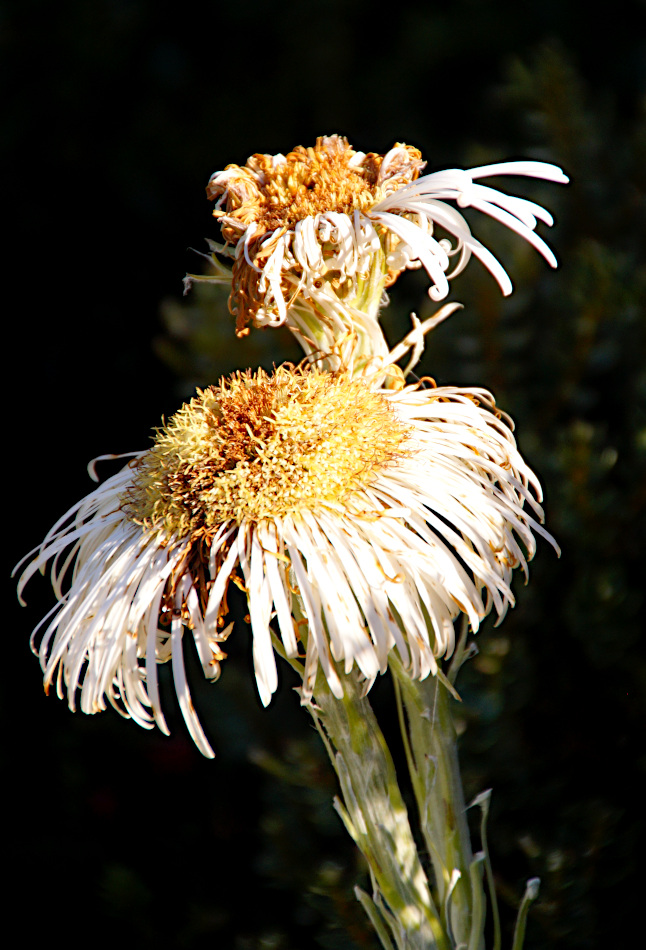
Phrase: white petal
x=183 y=694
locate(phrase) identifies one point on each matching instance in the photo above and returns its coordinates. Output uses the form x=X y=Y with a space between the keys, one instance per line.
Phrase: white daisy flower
x=377 y=515
x=316 y=235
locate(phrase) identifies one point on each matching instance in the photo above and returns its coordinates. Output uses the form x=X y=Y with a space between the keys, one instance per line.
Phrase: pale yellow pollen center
x=259 y=446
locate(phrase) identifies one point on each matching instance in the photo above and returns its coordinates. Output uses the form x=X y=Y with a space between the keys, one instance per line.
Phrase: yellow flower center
x=259 y=446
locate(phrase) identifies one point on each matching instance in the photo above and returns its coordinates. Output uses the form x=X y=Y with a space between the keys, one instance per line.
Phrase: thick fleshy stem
x=401 y=908
x=326 y=323
x=406 y=910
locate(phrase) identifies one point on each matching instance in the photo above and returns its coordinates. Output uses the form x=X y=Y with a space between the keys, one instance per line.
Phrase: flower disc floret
x=259 y=446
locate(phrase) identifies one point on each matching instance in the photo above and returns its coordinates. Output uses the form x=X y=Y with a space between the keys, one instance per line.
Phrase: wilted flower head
x=321 y=231
x=375 y=516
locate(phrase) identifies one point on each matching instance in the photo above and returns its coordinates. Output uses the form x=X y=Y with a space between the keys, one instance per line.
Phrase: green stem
x=374 y=813
x=431 y=747
x=482 y=801
x=405 y=912
x=531 y=893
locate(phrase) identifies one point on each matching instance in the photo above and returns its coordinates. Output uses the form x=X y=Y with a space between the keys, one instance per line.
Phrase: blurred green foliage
x=131 y=836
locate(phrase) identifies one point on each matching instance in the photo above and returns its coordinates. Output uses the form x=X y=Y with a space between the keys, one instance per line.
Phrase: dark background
x=115 y=115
